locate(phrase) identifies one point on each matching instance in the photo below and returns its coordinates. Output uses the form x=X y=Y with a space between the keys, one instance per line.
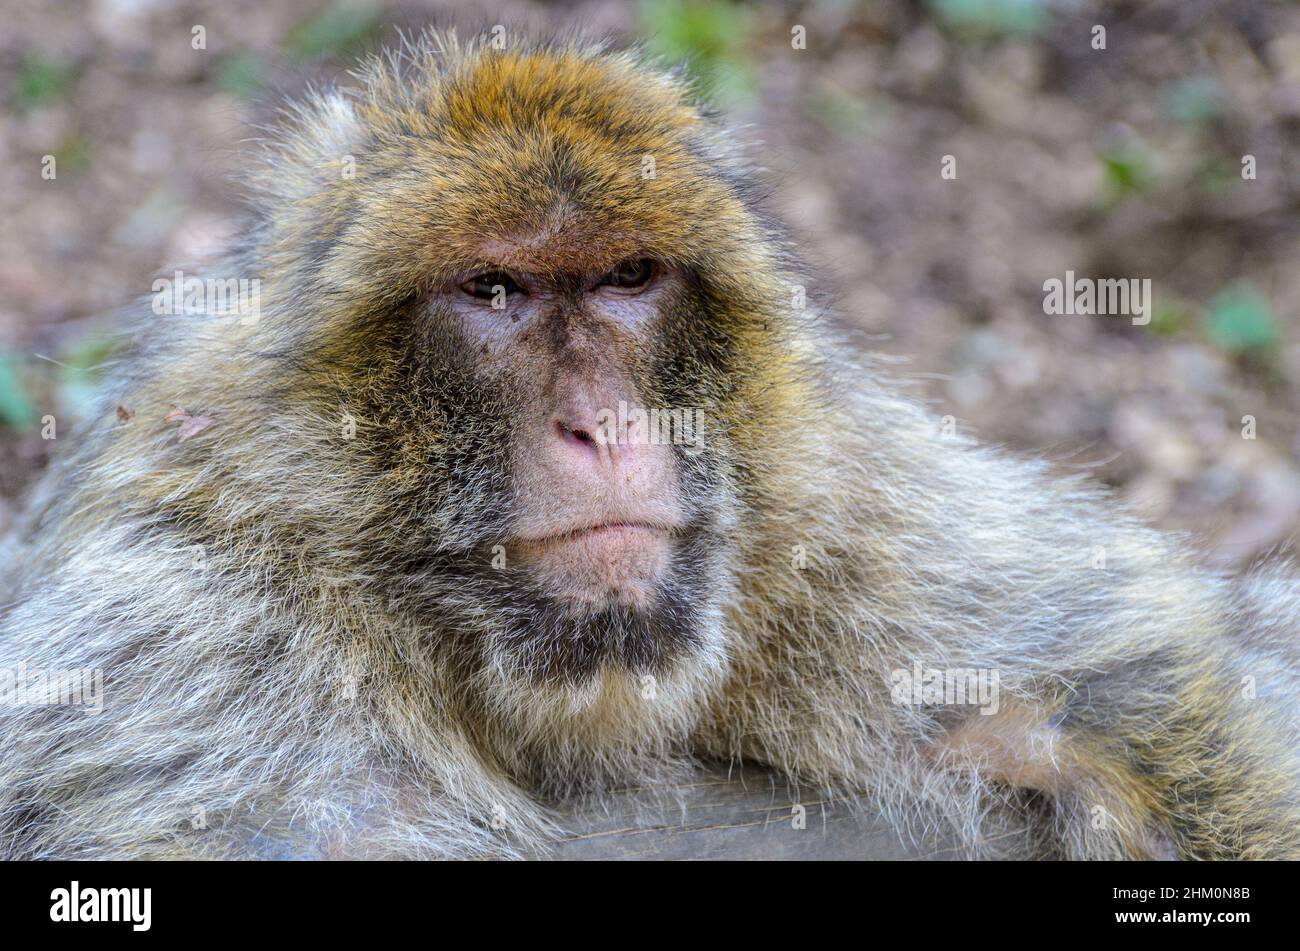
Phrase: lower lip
x=621 y=561
x=625 y=530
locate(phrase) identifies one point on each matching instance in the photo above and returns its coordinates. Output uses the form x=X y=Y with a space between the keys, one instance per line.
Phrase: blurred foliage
x=1215 y=174
x=1194 y=100
x=1169 y=317
x=343 y=28
x=1240 y=320
x=847 y=115
x=16 y=408
x=1126 y=169
x=73 y=155
x=991 y=17
x=79 y=373
x=712 y=36
x=41 y=80
x=73 y=380
x=242 y=76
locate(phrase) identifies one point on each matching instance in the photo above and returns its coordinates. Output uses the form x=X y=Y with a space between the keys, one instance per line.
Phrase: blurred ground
x=1122 y=162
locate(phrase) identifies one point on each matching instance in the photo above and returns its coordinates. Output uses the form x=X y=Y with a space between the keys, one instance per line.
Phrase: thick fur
x=334 y=670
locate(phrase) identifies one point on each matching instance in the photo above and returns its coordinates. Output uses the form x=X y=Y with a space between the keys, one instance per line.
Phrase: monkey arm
x=1140 y=707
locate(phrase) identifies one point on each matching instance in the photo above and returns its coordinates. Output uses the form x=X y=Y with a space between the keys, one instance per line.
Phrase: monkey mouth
x=606 y=562
x=607 y=531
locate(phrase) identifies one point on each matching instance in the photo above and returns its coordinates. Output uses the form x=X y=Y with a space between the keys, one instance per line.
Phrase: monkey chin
x=613 y=564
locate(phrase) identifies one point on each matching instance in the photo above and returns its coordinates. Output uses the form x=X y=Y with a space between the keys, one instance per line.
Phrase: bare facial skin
x=596 y=505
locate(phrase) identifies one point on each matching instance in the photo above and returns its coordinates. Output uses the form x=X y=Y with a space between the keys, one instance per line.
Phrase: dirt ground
x=1131 y=161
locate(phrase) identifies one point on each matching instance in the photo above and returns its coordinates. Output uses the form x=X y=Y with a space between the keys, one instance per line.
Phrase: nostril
x=576 y=434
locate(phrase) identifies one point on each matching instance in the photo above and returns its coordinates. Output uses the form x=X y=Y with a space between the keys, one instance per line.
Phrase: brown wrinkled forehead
x=546 y=161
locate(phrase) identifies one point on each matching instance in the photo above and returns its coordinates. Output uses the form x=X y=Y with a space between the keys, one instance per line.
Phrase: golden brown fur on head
x=312 y=645
x=558 y=158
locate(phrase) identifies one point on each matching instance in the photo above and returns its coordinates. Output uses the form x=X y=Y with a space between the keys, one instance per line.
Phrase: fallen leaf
x=190 y=425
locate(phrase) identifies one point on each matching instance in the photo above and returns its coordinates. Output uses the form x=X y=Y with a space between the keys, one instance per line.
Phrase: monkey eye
x=487 y=285
x=630 y=275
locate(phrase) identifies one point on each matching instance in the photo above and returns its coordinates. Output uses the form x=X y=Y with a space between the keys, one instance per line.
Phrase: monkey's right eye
x=489 y=284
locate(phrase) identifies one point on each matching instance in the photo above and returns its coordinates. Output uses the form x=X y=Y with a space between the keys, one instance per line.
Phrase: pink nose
x=590 y=440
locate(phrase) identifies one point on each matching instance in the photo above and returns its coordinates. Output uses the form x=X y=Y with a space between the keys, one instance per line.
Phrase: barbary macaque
x=388 y=566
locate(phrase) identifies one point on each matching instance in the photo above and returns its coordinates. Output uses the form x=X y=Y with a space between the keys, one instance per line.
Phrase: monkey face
x=608 y=534
x=597 y=496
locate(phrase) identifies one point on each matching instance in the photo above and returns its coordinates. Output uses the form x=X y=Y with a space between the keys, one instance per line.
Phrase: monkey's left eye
x=487 y=285
x=630 y=275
